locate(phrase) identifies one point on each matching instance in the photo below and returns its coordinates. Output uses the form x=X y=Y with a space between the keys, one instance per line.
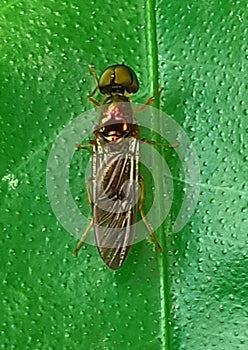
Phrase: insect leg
x=148 y=102
x=93 y=72
x=91 y=99
x=141 y=202
x=75 y=252
x=91 y=144
x=151 y=142
x=90 y=224
x=88 y=190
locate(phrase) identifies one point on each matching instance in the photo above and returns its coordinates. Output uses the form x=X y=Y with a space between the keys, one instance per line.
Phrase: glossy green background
x=194 y=295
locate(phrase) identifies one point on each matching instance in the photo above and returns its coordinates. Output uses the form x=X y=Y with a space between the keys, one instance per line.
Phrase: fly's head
x=118 y=78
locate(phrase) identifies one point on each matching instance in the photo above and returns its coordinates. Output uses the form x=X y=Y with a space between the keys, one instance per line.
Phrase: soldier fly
x=112 y=190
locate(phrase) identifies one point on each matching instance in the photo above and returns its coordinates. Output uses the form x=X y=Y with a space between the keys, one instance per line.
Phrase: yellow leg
x=151 y=142
x=78 y=146
x=148 y=102
x=93 y=72
x=141 y=202
x=75 y=252
x=89 y=183
x=91 y=99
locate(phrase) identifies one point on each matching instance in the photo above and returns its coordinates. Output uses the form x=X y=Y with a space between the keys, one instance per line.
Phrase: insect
x=113 y=191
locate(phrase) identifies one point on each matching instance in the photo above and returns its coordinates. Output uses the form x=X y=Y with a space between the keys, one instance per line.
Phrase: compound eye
x=118 y=76
x=126 y=77
x=102 y=129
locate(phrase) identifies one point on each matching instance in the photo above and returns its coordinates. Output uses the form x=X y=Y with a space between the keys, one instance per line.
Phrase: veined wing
x=115 y=197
